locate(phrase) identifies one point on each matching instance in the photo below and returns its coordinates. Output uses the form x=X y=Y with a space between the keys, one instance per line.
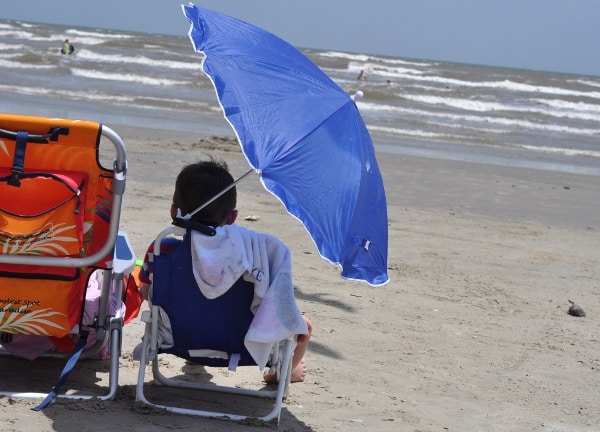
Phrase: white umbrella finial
x=356 y=96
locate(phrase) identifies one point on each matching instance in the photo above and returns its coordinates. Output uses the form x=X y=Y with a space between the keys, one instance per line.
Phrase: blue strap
x=234 y=360
x=65 y=372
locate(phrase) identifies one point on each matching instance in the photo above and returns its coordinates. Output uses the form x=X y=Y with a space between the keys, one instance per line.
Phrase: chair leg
x=278 y=395
x=115 y=353
x=139 y=389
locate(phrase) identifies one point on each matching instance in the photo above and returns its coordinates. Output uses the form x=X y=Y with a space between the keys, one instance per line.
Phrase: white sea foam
x=383 y=70
x=102 y=35
x=19 y=65
x=371 y=58
x=465 y=104
x=134 y=78
x=464 y=139
x=10 y=47
x=86 y=41
x=582 y=110
x=29 y=36
x=572 y=110
x=588 y=82
x=394 y=61
x=93 y=56
x=485 y=120
x=408 y=75
x=81 y=37
x=564 y=151
x=410 y=132
x=73 y=94
x=16 y=34
x=342 y=55
x=91 y=96
x=467 y=128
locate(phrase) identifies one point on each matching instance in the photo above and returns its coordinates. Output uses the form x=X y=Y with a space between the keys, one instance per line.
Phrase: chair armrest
x=124 y=257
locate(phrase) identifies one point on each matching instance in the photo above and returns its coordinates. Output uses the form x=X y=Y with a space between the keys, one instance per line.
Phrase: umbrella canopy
x=304 y=135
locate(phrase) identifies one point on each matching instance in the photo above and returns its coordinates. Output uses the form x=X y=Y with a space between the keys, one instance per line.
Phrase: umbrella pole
x=219 y=194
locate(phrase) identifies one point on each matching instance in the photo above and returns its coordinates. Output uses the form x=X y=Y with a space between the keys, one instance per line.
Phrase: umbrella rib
x=324 y=121
x=189 y=215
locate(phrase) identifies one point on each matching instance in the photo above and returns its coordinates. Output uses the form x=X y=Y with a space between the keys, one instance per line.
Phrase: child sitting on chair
x=233 y=252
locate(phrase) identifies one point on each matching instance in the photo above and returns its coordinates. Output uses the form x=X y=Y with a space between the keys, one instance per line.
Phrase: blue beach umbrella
x=305 y=137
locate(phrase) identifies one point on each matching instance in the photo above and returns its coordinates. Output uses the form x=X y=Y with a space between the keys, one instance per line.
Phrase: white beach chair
x=206 y=332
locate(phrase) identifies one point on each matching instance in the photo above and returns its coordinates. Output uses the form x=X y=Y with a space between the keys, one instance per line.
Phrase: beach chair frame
x=108 y=329
x=280 y=364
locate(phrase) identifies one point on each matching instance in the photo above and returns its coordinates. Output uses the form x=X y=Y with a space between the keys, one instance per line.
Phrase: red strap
x=63 y=344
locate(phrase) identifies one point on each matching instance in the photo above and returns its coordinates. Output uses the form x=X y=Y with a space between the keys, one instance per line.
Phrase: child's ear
x=231 y=218
x=173 y=211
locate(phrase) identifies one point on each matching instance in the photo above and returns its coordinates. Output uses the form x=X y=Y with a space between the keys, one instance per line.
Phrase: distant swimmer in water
x=362 y=76
x=67 y=47
x=392 y=83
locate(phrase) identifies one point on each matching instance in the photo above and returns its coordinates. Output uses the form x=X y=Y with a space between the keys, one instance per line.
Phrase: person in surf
x=67 y=48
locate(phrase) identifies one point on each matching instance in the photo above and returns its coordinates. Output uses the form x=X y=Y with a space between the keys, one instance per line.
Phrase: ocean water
x=432 y=109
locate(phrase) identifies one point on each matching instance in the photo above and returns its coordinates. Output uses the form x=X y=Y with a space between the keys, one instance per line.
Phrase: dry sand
x=471 y=334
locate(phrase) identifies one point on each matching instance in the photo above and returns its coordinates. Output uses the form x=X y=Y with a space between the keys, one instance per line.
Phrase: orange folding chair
x=59 y=225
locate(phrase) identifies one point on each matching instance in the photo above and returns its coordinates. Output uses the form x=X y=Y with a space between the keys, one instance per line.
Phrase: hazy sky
x=553 y=35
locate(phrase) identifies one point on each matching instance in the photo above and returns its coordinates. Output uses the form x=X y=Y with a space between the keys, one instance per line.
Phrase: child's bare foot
x=298 y=374
x=270 y=379
x=300 y=371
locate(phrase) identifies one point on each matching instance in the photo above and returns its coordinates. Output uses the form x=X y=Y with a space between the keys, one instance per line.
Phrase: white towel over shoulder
x=220 y=260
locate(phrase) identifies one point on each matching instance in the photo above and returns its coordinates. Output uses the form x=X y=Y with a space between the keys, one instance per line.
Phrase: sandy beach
x=471 y=334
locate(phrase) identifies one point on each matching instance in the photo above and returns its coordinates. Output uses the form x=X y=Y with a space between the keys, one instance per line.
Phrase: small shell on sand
x=576 y=310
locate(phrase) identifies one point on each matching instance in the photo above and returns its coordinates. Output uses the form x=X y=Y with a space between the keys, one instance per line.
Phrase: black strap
x=18 y=159
x=190 y=224
x=52 y=135
x=21 y=139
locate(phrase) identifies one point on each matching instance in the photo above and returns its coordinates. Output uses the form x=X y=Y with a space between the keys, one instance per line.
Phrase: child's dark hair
x=197 y=183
